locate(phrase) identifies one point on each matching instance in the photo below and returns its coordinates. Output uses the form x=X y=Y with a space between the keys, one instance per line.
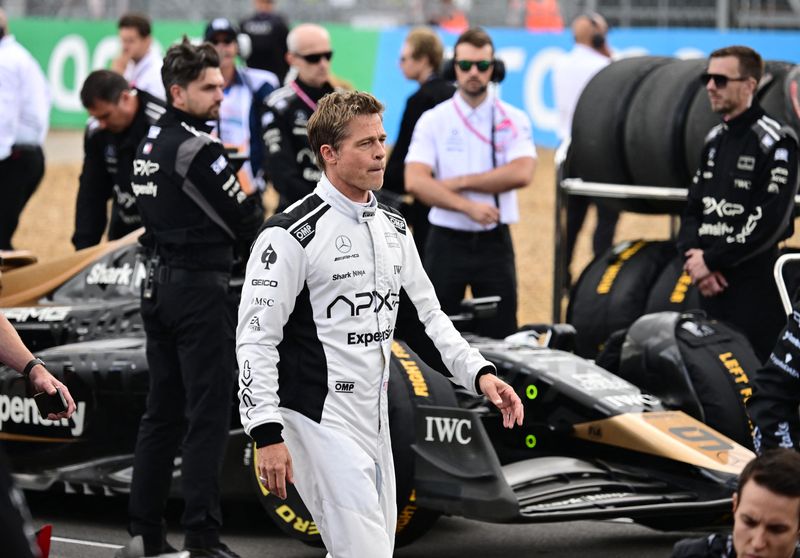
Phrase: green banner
x=68 y=50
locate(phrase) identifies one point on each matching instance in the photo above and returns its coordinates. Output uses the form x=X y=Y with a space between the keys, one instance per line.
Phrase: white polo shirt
x=146 y=74
x=573 y=72
x=24 y=98
x=454 y=139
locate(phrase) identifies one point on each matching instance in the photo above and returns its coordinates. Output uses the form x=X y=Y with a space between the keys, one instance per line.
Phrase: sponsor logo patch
x=219 y=165
x=153 y=132
x=368 y=338
x=101 y=274
x=345 y=386
x=149 y=189
x=260 y=301
x=447 y=429
x=343 y=244
x=23 y=410
x=147 y=148
x=254 y=324
x=782 y=154
x=144 y=167
x=746 y=163
x=40 y=314
x=391 y=240
x=264 y=283
x=269 y=256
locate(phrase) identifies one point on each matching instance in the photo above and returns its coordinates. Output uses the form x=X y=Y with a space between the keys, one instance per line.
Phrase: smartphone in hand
x=50 y=404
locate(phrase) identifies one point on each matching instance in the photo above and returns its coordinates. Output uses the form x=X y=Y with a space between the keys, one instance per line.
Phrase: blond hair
x=328 y=124
x=425 y=43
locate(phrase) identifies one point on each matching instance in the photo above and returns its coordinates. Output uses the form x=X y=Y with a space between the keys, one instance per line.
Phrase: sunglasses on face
x=466 y=65
x=225 y=40
x=316 y=57
x=720 y=81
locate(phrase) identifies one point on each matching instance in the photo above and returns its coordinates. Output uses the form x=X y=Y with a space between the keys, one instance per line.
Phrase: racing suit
x=712 y=546
x=289 y=160
x=776 y=393
x=107 y=163
x=316 y=323
x=740 y=205
x=194 y=214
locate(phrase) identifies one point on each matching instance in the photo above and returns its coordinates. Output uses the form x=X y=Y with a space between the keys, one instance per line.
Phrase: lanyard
x=303 y=97
x=506 y=122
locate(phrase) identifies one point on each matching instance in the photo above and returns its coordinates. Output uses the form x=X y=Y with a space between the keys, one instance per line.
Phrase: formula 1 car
x=593 y=446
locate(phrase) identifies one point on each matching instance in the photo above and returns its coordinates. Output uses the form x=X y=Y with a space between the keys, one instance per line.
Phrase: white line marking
x=85 y=543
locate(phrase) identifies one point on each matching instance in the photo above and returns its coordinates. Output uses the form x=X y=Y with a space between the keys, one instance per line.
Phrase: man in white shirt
x=589 y=55
x=466 y=158
x=140 y=62
x=239 y=125
x=24 y=120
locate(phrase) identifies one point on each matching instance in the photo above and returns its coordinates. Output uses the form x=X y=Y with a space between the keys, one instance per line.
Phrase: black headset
x=598 y=39
x=498 y=70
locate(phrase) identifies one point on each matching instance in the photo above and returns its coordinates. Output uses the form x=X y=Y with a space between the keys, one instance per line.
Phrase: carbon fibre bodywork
x=593 y=446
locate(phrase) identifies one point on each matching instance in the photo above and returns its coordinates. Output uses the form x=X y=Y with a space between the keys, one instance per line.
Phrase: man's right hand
x=483 y=213
x=275 y=468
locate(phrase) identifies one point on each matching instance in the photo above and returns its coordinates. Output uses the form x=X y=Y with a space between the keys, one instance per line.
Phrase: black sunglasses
x=316 y=57
x=466 y=65
x=720 y=81
x=226 y=39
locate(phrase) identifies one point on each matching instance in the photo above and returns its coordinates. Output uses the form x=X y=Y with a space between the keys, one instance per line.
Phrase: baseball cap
x=220 y=25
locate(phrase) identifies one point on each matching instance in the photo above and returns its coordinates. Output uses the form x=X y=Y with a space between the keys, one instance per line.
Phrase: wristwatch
x=28 y=367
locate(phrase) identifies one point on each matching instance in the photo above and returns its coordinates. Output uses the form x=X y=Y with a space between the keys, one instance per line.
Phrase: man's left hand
x=43 y=380
x=504 y=398
x=695 y=265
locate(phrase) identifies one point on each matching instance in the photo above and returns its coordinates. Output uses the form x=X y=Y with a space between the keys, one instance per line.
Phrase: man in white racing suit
x=316 y=323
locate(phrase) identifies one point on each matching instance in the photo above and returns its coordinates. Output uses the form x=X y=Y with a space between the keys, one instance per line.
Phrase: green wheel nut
x=531 y=391
x=530 y=441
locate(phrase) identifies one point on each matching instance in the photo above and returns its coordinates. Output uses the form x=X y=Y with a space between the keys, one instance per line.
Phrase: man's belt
x=498 y=232
x=165 y=274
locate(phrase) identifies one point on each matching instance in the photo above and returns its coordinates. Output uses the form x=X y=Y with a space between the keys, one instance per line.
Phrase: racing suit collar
x=359 y=212
x=747 y=118
x=193 y=121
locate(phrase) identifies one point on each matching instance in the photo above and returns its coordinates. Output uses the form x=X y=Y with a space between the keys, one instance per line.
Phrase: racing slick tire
x=696 y=364
x=673 y=290
x=411 y=383
x=771 y=94
x=791 y=87
x=654 y=129
x=596 y=150
x=700 y=119
x=613 y=290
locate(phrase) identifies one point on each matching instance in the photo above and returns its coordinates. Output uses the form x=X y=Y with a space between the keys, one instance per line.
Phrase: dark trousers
x=776 y=393
x=751 y=303
x=20 y=174
x=16 y=532
x=603 y=236
x=190 y=352
x=484 y=261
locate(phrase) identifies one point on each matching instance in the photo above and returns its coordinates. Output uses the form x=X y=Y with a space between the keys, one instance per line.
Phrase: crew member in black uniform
x=420 y=59
x=267 y=31
x=195 y=216
x=289 y=161
x=121 y=116
x=741 y=202
x=766 y=513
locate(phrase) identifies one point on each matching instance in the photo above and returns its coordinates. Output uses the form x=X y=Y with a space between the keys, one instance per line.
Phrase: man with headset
x=466 y=158
x=589 y=55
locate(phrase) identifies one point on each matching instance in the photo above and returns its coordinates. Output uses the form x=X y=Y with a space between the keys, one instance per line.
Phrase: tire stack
x=643 y=121
x=631 y=279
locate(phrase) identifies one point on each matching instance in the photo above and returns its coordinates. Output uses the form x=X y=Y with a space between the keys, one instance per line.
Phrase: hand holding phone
x=50 y=404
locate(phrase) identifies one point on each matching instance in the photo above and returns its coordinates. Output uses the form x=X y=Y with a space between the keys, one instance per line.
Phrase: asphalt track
x=94 y=527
